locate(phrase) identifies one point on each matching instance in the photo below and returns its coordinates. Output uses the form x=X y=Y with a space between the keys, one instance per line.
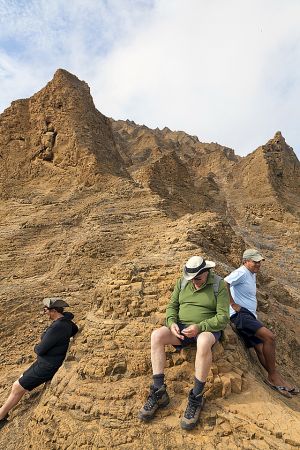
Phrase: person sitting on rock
x=241 y=285
x=196 y=313
x=51 y=352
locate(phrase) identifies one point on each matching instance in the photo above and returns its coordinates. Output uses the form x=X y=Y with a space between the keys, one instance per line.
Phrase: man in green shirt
x=197 y=313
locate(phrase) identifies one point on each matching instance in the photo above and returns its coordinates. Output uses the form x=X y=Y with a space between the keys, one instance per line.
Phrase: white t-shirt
x=243 y=289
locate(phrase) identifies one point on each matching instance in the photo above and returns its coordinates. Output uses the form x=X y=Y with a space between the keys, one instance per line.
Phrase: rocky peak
x=62 y=76
x=64 y=91
x=283 y=164
x=278 y=139
x=60 y=128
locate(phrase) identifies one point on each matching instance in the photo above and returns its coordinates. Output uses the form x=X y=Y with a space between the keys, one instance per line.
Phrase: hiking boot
x=3 y=421
x=157 y=399
x=192 y=412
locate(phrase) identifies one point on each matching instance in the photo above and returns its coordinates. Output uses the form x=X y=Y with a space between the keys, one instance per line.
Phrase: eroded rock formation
x=105 y=213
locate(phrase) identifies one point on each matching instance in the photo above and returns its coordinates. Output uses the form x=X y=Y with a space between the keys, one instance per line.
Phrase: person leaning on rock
x=195 y=314
x=241 y=285
x=51 y=352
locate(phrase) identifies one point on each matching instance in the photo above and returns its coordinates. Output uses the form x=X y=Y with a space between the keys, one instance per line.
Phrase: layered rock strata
x=105 y=213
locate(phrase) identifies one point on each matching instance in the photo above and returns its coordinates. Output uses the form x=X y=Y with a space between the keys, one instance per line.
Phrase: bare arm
x=233 y=305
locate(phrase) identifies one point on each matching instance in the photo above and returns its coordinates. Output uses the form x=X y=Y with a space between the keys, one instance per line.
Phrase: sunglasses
x=199 y=277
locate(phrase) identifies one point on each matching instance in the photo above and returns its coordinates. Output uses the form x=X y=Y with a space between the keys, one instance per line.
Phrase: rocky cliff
x=105 y=213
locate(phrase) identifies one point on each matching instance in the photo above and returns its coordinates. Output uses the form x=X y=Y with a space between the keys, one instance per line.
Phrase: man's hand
x=191 y=331
x=175 y=330
x=236 y=307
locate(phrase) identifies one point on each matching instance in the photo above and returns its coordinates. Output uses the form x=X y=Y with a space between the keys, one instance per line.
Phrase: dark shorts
x=37 y=374
x=246 y=325
x=190 y=341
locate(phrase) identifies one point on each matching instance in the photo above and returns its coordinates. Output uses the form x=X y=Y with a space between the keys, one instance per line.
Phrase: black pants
x=38 y=373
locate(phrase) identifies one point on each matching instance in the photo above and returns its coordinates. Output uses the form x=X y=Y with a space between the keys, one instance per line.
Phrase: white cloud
x=224 y=71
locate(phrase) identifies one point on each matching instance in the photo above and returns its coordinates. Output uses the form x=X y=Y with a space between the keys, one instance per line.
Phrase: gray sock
x=158 y=380
x=198 y=386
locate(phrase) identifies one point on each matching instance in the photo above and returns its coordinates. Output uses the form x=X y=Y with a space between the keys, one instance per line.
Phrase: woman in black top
x=51 y=352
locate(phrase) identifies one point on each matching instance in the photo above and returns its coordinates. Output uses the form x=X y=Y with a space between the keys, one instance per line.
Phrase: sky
x=227 y=71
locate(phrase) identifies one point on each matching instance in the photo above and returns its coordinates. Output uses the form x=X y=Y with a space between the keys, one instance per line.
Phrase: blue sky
x=226 y=71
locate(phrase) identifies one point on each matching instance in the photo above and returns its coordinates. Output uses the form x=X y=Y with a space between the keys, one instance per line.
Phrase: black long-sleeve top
x=55 y=340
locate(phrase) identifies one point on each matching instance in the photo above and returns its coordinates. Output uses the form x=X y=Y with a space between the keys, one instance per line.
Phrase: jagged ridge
x=105 y=214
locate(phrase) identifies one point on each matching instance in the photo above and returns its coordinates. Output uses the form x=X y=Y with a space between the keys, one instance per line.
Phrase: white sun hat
x=195 y=265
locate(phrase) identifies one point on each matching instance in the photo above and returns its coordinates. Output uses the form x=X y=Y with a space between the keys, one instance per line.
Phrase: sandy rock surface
x=105 y=213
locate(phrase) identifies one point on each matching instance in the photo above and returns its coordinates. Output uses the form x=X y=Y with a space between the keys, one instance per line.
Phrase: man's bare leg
x=268 y=350
x=203 y=360
x=260 y=354
x=158 y=396
x=14 y=397
x=159 y=339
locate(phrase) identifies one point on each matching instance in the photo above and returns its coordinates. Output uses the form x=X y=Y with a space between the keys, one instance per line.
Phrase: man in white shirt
x=241 y=285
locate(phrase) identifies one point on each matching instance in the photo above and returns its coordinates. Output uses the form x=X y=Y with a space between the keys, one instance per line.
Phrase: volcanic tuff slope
x=105 y=213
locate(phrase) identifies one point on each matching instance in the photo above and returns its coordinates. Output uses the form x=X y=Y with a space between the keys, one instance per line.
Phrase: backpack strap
x=216 y=285
x=183 y=283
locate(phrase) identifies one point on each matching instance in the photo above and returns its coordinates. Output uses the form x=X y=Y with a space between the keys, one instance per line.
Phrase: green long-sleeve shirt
x=200 y=307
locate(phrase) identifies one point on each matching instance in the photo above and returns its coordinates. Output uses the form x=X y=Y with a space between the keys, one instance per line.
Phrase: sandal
x=283 y=390
x=294 y=391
